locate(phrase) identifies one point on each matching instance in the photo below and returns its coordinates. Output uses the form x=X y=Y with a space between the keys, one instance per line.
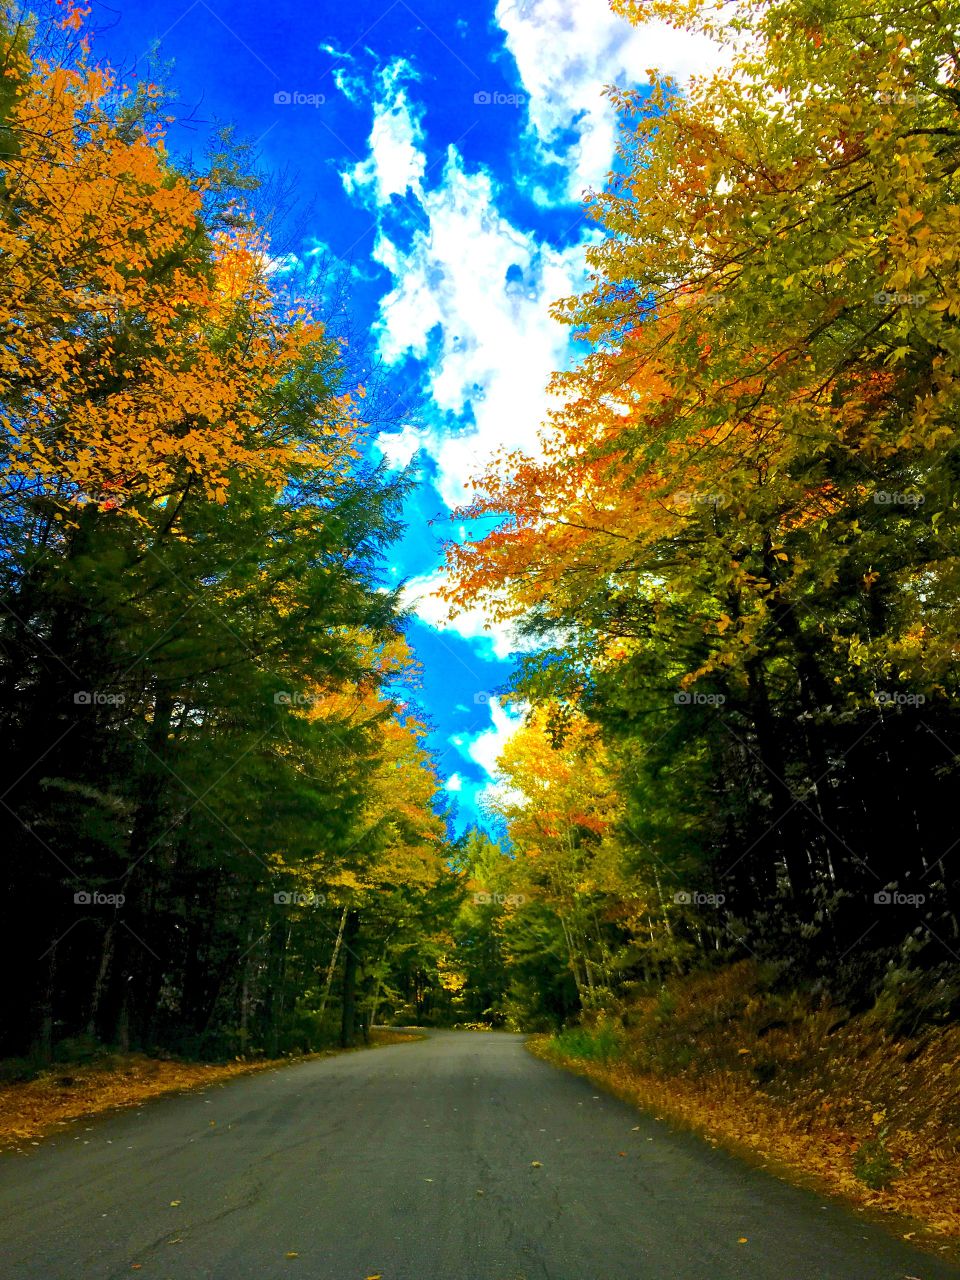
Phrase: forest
x=732 y=560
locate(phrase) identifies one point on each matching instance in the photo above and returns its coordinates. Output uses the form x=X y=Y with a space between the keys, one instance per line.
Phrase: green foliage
x=199 y=682
x=602 y=1043
x=872 y=1164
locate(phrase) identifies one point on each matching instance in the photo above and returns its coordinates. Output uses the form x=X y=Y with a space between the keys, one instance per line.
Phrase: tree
x=742 y=523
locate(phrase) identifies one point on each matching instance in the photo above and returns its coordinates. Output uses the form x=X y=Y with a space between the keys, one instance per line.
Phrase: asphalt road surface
x=459 y=1157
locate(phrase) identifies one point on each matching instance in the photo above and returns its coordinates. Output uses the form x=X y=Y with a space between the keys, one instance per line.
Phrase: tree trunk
x=332 y=966
x=349 y=1007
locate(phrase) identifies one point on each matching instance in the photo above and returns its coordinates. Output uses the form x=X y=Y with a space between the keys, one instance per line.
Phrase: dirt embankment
x=816 y=1095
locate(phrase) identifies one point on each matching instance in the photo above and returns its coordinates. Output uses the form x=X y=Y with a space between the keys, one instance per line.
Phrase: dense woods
x=218 y=810
x=734 y=559
x=737 y=546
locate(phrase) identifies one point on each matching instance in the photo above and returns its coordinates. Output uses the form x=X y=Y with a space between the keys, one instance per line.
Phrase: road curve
x=459 y=1157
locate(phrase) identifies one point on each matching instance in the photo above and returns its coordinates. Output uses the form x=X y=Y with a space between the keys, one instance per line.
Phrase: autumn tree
x=196 y=705
x=742 y=521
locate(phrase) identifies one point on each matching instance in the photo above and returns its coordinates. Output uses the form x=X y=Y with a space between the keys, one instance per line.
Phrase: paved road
x=416 y=1162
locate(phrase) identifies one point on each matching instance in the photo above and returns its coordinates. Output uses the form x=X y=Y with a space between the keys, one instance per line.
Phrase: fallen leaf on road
x=536 y=1164
x=174 y=1203
x=291 y=1255
x=742 y=1240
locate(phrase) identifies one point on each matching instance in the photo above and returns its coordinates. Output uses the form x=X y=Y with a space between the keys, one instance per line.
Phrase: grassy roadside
x=825 y=1099
x=36 y=1108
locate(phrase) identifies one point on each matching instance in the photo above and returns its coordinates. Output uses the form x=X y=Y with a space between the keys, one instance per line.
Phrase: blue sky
x=434 y=154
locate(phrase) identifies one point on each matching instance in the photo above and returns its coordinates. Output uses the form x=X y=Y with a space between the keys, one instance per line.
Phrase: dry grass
x=837 y=1099
x=66 y=1093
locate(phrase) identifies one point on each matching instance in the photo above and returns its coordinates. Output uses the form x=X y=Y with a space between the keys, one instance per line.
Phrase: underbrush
x=867 y=1110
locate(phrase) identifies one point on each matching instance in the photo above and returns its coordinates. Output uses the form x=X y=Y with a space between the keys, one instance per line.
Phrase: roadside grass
x=816 y=1094
x=31 y=1109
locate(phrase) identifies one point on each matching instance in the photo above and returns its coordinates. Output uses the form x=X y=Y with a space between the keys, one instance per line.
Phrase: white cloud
x=477 y=288
x=353 y=87
x=566 y=51
x=454 y=782
x=420 y=596
x=283 y=264
x=487 y=747
x=395 y=164
x=400 y=447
